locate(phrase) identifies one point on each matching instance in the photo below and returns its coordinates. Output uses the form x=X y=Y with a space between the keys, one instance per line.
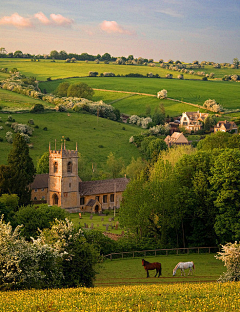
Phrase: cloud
x=113 y=27
x=170 y=12
x=60 y=20
x=16 y=20
x=20 y=22
x=42 y=18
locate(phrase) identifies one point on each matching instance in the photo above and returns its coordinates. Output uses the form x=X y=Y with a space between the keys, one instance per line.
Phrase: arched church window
x=55 y=167
x=69 y=167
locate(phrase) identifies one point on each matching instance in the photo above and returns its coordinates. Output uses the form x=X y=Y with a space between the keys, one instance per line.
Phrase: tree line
x=188 y=197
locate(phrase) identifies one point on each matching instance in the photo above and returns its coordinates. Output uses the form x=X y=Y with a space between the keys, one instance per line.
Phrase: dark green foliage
x=37 y=108
x=8 y=206
x=79 y=271
x=62 y=89
x=37 y=217
x=152 y=146
x=80 y=90
x=20 y=171
x=219 y=140
x=225 y=191
x=102 y=243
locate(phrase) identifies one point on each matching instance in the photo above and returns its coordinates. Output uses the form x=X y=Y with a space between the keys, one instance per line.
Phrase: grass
x=121 y=285
x=131 y=272
x=60 y=69
x=11 y=101
x=88 y=131
x=98 y=222
x=191 y=91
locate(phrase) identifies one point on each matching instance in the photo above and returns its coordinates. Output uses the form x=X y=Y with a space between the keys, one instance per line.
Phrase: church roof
x=102 y=186
x=91 y=203
x=40 y=181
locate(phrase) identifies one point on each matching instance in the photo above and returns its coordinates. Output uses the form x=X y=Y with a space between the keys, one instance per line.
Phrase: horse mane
x=176 y=266
x=193 y=265
x=145 y=262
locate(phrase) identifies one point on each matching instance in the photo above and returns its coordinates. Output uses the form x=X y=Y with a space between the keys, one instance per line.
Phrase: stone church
x=63 y=187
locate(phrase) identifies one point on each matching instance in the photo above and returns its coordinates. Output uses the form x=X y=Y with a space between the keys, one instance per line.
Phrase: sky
x=185 y=30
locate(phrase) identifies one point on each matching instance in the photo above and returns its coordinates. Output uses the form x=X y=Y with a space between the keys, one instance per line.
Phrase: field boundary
x=133 y=254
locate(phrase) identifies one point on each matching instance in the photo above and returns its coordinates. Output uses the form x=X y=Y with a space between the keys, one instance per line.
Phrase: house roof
x=176 y=137
x=102 y=186
x=40 y=181
x=228 y=124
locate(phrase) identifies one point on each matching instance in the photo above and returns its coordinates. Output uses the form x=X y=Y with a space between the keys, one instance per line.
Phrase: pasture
x=137 y=293
x=191 y=91
x=60 y=69
x=96 y=137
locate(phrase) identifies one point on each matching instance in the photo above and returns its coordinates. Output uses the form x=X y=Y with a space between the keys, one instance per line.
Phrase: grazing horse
x=152 y=266
x=184 y=265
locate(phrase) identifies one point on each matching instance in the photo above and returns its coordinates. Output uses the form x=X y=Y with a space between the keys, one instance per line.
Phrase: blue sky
x=186 y=30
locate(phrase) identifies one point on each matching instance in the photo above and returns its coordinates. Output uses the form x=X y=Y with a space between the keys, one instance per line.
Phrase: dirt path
x=146 y=94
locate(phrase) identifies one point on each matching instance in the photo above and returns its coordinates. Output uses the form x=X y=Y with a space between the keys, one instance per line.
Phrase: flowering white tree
x=230 y=255
x=212 y=105
x=162 y=94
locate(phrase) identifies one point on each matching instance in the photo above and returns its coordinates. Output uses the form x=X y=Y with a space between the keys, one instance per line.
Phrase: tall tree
x=21 y=169
x=226 y=184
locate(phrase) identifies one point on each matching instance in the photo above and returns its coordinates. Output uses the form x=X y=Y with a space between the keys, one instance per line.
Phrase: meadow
x=121 y=285
x=45 y=68
x=191 y=91
x=95 y=137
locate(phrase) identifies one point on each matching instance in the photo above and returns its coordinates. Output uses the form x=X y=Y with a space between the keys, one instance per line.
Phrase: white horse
x=184 y=265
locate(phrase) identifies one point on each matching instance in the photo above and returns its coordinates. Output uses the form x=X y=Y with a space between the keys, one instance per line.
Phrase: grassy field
x=129 y=271
x=11 y=101
x=95 y=136
x=61 y=69
x=121 y=285
x=191 y=91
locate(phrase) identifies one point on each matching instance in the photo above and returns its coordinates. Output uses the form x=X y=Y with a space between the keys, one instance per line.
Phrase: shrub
x=230 y=255
x=37 y=217
x=92 y=74
x=31 y=122
x=9 y=137
x=37 y=108
x=162 y=94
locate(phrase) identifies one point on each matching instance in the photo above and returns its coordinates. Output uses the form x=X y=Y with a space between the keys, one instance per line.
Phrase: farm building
x=177 y=138
x=63 y=187
x=193 y=121
x=226 y=126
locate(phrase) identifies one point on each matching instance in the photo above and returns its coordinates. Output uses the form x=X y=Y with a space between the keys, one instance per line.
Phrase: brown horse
x=152 y=266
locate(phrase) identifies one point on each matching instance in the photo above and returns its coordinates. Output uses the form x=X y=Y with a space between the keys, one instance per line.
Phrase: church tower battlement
x=63 y=181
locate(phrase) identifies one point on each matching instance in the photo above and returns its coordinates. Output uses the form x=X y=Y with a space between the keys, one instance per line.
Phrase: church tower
x=63 y=181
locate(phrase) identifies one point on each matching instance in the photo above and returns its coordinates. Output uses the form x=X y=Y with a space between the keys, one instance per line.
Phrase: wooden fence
x=155 y=252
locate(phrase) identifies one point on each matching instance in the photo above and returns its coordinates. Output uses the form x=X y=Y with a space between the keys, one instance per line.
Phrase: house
x=193 y=121
x=176 y=138
x=63 y=187
x=226 y=126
